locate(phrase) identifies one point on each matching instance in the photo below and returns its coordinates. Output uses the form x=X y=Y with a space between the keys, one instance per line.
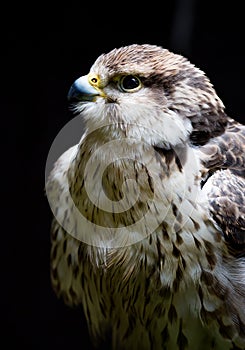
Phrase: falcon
x=148 y=234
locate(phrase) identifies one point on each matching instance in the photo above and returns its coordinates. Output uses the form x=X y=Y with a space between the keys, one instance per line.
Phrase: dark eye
x=130 y=83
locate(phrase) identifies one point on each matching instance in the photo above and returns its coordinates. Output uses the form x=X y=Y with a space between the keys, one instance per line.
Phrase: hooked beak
x=81 y=90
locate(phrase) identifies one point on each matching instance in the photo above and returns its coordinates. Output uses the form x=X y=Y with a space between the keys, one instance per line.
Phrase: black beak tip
x=73 y=94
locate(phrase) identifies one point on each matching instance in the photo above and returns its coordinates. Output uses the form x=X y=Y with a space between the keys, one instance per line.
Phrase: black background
x=44 y=48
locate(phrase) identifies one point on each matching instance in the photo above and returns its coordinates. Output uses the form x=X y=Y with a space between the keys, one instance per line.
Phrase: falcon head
x=148 y=86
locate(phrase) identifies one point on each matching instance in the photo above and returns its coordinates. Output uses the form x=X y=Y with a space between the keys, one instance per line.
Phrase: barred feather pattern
x=176 y=289
x=182 y=285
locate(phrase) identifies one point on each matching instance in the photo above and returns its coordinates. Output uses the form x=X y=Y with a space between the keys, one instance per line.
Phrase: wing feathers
x=223 y=161
x=226 y=151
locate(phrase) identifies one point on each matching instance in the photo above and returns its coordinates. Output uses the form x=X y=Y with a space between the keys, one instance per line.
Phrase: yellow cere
x=94 y=80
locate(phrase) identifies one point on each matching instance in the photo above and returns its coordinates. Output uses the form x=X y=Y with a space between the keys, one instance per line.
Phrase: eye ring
x=130 y=83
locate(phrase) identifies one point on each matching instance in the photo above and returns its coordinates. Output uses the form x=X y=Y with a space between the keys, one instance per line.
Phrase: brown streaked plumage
x=156 y=257
x=223 y=160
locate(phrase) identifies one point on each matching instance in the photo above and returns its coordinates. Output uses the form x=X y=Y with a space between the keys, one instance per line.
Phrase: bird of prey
x=148 y=234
